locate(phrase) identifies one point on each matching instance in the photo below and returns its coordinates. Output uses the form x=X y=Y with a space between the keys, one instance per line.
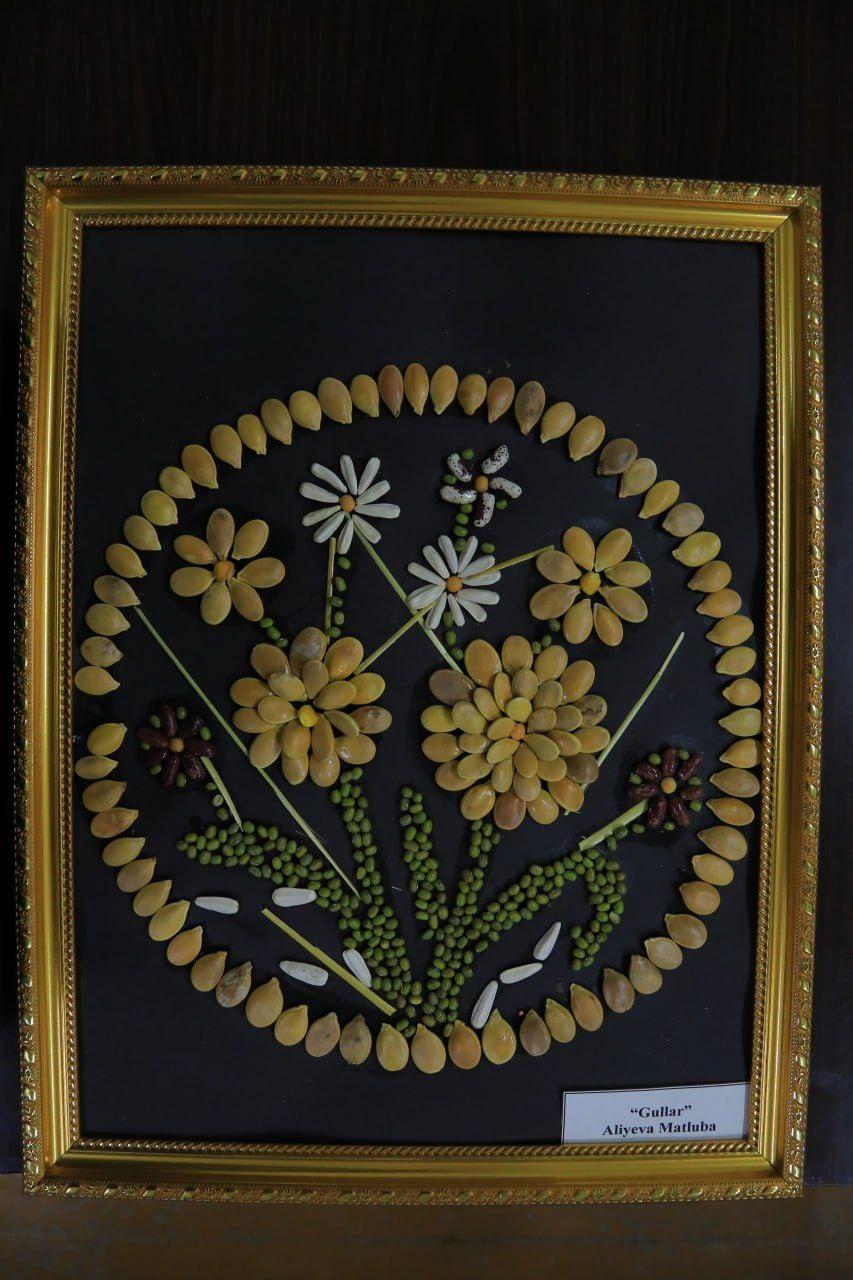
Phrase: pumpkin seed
x=743 y=754
x=442 y=390
x=518 y=973
x=498 y=1039
x=737 y=782
x=659 y=498
x=416 y=387
x=450 y=686
x=683 y=519
x=743 y=723
x=567 y=793
x=286 y=897
x=168 y=921
x=277 y=420
x=499 y=397
x=644 y=976
x=105 y=826
x=265 y=1004
x=159 y=508
x=585 y=437
x=335 y=400
x=477 y=801
x=199 y=466
x=368 y=687
x=735 y=813
x=215 y=902
x=93 y=767
x=301 y=971
x=99 y=651
x=637 y=478
x=141 y=534
x=725 y=841
x=103 y=795
x=686 y=931
x=484 y=1005
x=207 y=970
x=586 y=1007
x=697 y=549
x=365 y=396
x=114 y=591
x=664 y=953
x=547 y=942
x=390 y=383
x=559 y=1022
x=618 y=991
x=743 y=693
x=481 y=662
x=617 y=456
x=356 y=1039
x=392 y=1048
x=151 y=897
x=557 y=420
x=578 y=545
x=552 y=601
x=719 y=604
x=304 y=409
x=124 y=561
x=357 y=964
x=233 y=987
x=713 y=576
x=176 y=483
x=699 y=897
x=343 y=657
x=428 y=1052
x=135 y=875
x=550 y=663
x=250 y=429
x=441 y=747
x=557 y=567
x=577 y=679
x=534 y=1035
x=94 y=681
x=227 y=445
x=608 y=626
x=626 y=603
x=106 y=739
x=516 y=655
x=529 y=404
x=471 y=393
x=463 y=1047
x=448 y=779
x=291 y=1026
x=711 y=869
x=184 y=947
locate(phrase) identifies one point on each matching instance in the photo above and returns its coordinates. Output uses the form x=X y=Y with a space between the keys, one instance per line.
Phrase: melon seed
x=392 y=1048
x=428 y=1052
x=557 y=421
x=291 y=1026
x=207 y=970
x=499 y=1042
x=442 y=390
x=737 y=782
x=365 y=395
x=168 y=921
x=119 y=852
x=737 y=813
x=94 y=767
x=529 y=404
x=464 y=1046
x=356 y=1041
x=700 y=897
x=559 y=1022
x=390 y=384
x=265 y=1004
x=725 y=841
x=499 y=397
x=102 y=795
x=304 y=409
x=663 y=952
x=534 y=1035
x=617 y=456
x=687 y=931
x=148 y=901
x=645 y=977
x=712 y=869
x=585 y=437
x=277 y=420
x=233 y=987
x=134 y=873
x=618 y=991
x=335 y=400
x=659 y=498
x=184 y=947
x=586 y=1007
x=416 y=387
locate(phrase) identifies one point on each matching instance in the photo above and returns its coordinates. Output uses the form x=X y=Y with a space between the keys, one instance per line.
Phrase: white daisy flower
x=347 y=501
x=454 y=581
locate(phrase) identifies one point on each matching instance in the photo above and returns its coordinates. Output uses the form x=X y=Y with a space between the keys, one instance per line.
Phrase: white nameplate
x=693 y=1113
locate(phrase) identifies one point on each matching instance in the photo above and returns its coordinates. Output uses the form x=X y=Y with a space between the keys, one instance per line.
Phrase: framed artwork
x=419 y=684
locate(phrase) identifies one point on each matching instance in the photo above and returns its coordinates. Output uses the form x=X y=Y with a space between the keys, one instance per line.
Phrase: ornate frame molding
x=60 y=203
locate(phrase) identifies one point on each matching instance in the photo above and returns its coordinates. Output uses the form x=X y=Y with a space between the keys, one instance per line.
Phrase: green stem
x=507 y=564
x=226 y=794
x=392 y=639
x=389 y=578
x=330 y=574
x=649 y=689
x=621 y=820
x=327 y=960
x=214 y=711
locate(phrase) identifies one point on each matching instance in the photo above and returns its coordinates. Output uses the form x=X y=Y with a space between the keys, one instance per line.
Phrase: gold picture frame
x=785 y=222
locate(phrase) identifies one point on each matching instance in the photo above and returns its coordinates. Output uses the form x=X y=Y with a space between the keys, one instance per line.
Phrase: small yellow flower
x=220 y=585
x=576 y=576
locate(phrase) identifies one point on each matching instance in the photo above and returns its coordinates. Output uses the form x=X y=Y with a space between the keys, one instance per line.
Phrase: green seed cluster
x=425 y=884
x=375 y=931
x=605 y=882
x=272 y=633
x=343 y=564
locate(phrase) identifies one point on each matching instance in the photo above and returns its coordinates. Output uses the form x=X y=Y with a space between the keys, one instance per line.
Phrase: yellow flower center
x=307 y=716
x=481 y=484
x=518 y=731
x=347 y=503
x=590 y=582
x=176 y=745
x=454 y=584
x=223 y=570
x=668 y=785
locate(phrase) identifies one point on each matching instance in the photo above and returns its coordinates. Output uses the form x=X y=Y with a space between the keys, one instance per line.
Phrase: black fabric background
x=709 y=89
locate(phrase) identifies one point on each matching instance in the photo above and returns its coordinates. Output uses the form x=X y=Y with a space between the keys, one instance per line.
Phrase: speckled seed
x=743 y=754
x=119 y=852
x=663 y=952
x=736 y=662
x=725 y=841
x=335 y=400
x=735 y=813
x=227 y=445
x=115 y=591
x=559 y=1022
x=552 y=601
x=498 y=1039
x=557 y=421
x=356 y=1039
x=392 y=1048
x=416 y=387
x=140 y=533
x=94 y=681
x=176 y=483
x=233 y=987
x=529 y=404
x=168 y=921
x=112 y=823
x=585 y=437
x=265 y=1004
x=105 y=620
x=711 y=577
x=442 y=390
x=277 y=420
x=450 y=686
x=199 y=466
x=617 y=456
x=291 y=1026
x=697 y=549
x=644 y=976
x=133 y=876
x=428 y=1052
x=471 y=393
x=700 y=898
x=390 y=383
x=184 y=947
x=99 y=651
x=499 y=397
x=731 y=631
x=534 y=1035
x=103 y=795
x=737 y=782
x=743 y=692
x=637 y=478
x=148 y=901
x=105 y=739
x=305 y=410
x=207 y=970
x=124 y=561
x=618 y=991
x=687 y=931
x=711 y=869
x=743 y=723
x=659 y=498
x=93 y=767
x=586 y=1008
x=463 y=1047
x=683 y=519
x=365 y=397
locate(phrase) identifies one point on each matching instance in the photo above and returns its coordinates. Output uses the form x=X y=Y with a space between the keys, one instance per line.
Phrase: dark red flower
x=174 y=743
x=667 y=780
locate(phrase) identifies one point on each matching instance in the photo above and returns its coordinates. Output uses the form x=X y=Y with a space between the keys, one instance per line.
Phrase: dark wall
x=759 y=92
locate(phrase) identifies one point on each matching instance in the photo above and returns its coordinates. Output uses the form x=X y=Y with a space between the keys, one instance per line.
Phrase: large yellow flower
x=221 y=585
x=517 y=734
x=310 y=708
x=575 y=578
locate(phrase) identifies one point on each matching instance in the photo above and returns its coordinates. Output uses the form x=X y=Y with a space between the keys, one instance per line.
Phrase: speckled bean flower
x=478 y=486
x=575 y=578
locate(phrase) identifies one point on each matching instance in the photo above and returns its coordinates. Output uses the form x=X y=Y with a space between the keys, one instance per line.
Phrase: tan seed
x=586 y=1007
x=323 y=1036
x=471 y=393
x=124 y=561
x=368 y=687
x=103 y=795
x=509 y=811
x=735 y=813
x=499 y=397
x=743 y=693
x=151 y=897
x=552 y=601
x=712 y=576
x=743 y=723
x=356 y=1040
x=697 y=549
x=265 y=1004
x=168 y=921
x=94 y=681
x=133 y=875
x=233 y=987
x=699 y=897
x=365 y=397
x=140 y=533
x=659 y=498
x=498 y=1039
x=712 y=870
x=534 y=1035
x=557 y=567
x=482 y=661
x=687 y=931
x=577 y=679
x=450 y=686
x=737 y=782
x=207 y=970
x=442 y=390
x=585 y=437
x=559 y=1022
x=106 y=826
x=644 y=976
x=626 y=603
x=184 y=947
x=159 y=508
x=291 y=1026
x=607 y=625
x=463 y=1047
x=529 y=404
x=115 y=591
x=390 y=383
x=99 y=651
x=123 y=850
x=477 y=801
x=343 y=657
x=557 y=421
x=663 y=953
x=392 y=1048
x=731 y=631
x=227 y=445
x=176 y=483
x=106 y=739
x=305 y=410
x=637 y=478
x=550 y=663
x=94 y=767
x=618 y=991
x=428 y=1052
x=617 y=456
x=335 y=400
x=683 y=519
x=743 y=754
x=725 y=841
x=277 y=420
x=416 y=387
x=198 y=463
x=579 y=546
x=516 y=654
x=719 y=604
